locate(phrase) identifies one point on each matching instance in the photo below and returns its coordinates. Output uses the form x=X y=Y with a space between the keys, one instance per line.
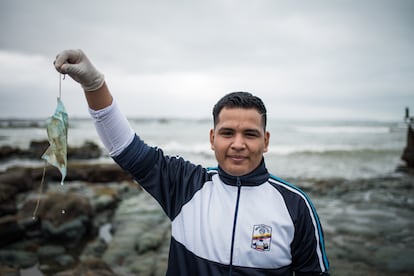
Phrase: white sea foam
x=314 y=149
x=343 y=129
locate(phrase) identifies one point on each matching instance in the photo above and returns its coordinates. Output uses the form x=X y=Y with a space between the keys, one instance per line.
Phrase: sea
x=298 y=149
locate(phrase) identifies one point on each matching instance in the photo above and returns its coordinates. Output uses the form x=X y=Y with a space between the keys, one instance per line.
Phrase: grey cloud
x=320 y=52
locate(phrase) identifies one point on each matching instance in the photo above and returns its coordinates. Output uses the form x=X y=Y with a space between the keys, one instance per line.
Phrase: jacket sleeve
x=308 y=245
x=172 y=181
x=308 y=249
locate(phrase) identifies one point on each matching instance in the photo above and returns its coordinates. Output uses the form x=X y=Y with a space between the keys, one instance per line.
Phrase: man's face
x=239 y=140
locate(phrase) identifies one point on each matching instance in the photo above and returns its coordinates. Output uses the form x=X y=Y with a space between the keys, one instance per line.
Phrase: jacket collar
x=257 y=177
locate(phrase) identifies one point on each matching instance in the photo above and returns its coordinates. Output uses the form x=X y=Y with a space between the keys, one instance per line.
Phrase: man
x=235 y=219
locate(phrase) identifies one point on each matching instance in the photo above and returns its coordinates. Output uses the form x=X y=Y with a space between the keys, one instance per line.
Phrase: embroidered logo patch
x=261 y=237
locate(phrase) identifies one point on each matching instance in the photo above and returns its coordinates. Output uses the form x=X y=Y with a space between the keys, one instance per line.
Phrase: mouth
x=237 y=158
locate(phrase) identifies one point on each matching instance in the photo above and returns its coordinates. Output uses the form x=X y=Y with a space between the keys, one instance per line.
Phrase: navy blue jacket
x=255 y=224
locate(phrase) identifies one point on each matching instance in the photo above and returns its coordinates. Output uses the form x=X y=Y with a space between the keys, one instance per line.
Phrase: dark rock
x=408 y=154
x=73 y=205
x=90 y=267
x=37 y=148
x=50 y=251
x=72 y=230
x=10 y=230
x=88 y=150
x=65 y=260
x=8 y=207
x=66 y=216
x=13 y=181
x=21 y=179
x=18 y=258
x=95 y=249
x=8 y=151
x=97 y=173
x=9 y=271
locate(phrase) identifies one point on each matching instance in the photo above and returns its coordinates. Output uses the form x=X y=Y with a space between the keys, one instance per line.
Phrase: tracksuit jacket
x=254 y=224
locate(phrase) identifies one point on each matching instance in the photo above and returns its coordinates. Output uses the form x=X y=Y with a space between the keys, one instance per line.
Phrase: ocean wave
x=204 y=149
x=331 y=150
x=22 y=123
x=343 y=129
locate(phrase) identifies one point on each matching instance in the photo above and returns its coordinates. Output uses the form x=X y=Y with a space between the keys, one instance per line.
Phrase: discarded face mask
x=57 y=132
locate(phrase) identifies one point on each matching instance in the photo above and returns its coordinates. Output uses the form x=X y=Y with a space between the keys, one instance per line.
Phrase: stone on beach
x=141 y=232
x=408 y=153
x=88 y=150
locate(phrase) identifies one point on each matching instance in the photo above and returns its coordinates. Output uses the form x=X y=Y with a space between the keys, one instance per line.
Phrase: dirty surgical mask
x=56 y=153
x=57 y=132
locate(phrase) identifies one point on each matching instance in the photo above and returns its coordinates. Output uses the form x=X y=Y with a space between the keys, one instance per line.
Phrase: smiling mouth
x=237 y=158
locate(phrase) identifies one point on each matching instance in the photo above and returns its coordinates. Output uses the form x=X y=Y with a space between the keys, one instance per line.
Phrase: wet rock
x=408 y=154
x=65 y=260
x=94 y=249
x=21 y=179
x=36 y=149
x=88 y=150
x=97 y=173
x=60 y=208
x=15 y=180
x=50 y=251
x=8 y=151
x=103 y=202
x=18 y=258
x=8 y=207
x=394 y=259
x=66 y=216
x=10 y=230
x=151 y=240
x=9 y=271
x=141 y=233
x=89 y=267
x=72 y=230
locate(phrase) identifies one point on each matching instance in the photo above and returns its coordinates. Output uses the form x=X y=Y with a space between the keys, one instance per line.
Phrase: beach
x=351 y=170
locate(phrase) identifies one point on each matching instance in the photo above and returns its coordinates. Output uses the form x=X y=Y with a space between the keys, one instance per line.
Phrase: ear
x=266 y=140
x=212 y=139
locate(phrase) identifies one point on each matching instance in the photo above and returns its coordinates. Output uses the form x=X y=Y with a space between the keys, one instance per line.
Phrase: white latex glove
x=77 y=65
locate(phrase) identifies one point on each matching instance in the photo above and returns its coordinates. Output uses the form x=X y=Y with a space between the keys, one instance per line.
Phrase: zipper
x=234 y=225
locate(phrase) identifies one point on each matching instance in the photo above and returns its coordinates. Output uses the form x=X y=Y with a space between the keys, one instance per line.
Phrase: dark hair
x=240 y=100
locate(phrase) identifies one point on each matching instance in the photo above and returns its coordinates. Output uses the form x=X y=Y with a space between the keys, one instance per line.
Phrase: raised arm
x=111 y=125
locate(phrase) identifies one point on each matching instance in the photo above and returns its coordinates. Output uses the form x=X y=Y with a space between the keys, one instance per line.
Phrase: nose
x=238 y=142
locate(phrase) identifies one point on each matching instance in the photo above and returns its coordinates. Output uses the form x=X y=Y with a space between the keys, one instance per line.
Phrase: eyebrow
x=249 y=130
x=225 y=129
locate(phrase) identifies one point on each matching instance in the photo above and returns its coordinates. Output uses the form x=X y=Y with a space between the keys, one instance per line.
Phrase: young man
x=235 y=219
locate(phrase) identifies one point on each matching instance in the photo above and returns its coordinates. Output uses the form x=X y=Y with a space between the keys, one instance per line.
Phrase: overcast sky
x=306 y=59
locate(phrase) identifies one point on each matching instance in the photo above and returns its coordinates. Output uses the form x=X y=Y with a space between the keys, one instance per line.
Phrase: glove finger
x=65 y=68
x=74 y=71
x=71 y=69
x=67 y=56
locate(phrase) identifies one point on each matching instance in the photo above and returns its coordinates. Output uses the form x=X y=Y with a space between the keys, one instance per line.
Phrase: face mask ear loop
x=39 y=194
x=60 y=85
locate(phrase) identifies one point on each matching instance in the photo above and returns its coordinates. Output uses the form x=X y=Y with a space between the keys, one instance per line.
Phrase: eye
x=226 y=132
x=252 y=134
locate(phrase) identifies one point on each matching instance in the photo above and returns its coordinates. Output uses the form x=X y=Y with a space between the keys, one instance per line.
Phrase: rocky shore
x=100 y=222
x=88 y=224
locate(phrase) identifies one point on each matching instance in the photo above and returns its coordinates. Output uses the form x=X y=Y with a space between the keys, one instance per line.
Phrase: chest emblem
x=261 y=237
